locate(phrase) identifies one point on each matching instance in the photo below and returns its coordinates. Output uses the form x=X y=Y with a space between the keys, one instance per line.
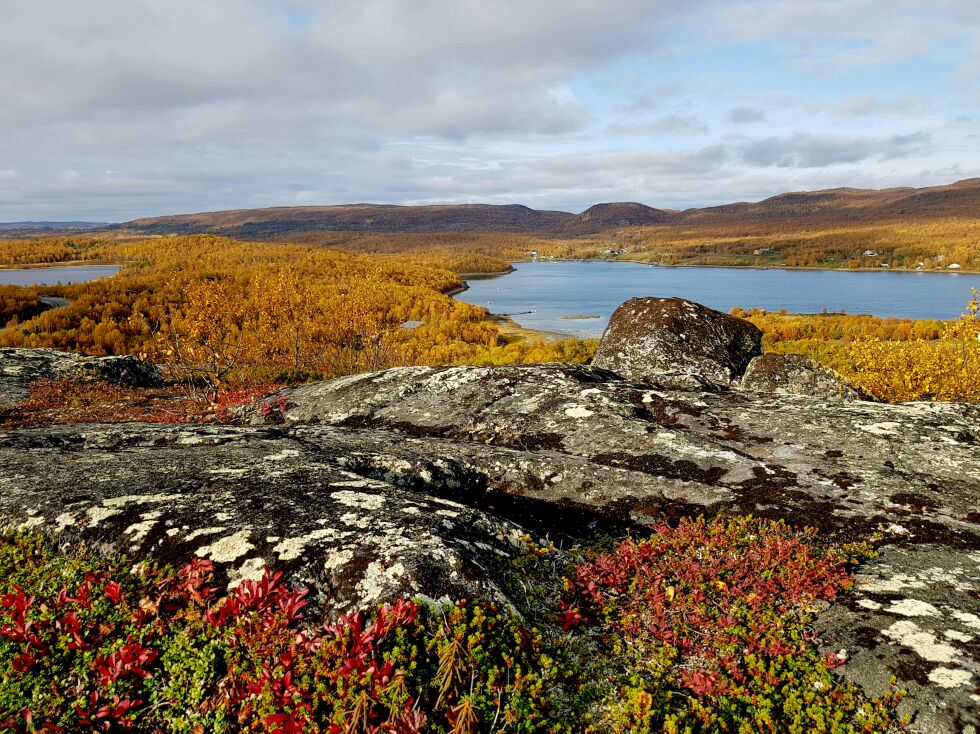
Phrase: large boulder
x=21 y=367
x=795 y=374
x=673 y=339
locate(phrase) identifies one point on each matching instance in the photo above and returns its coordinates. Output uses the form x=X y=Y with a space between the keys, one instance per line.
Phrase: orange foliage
x=894 y=360
x=18 y=304
x=218 y=311
x=47 y=250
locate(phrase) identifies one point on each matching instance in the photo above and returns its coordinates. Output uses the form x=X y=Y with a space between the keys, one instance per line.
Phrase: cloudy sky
x=113 y=109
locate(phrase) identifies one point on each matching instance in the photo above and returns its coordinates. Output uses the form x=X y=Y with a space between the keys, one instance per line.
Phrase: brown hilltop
x=824 y=207
x=620 y=214
x=357 y=218
x=960 y=199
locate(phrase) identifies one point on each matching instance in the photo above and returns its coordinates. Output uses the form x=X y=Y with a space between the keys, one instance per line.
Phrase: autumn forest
x=223 y=313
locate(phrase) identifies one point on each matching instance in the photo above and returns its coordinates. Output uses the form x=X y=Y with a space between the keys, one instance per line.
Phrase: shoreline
x=65 y=264
x=749 y=267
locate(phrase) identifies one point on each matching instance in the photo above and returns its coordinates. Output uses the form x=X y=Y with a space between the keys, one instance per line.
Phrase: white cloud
x=234 y=103
x=814 y=151
x=743 y=114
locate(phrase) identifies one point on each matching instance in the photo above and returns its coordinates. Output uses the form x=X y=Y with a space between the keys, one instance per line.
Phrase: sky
x=116 y=109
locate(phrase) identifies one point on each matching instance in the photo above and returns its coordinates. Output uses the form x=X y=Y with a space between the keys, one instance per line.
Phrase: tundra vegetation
x=700 y=627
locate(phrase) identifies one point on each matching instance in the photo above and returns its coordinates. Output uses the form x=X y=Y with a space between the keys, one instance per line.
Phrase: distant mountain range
x=25 y=226
x=844 y=205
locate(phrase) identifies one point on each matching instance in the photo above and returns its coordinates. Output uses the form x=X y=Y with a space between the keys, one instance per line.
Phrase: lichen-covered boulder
x=795 y=374
x=676 y=338
x=414 y=480
x=21 y=367
x=248 y=499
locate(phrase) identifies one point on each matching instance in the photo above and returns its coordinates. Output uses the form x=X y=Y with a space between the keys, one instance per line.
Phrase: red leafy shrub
x=699 y=628
x=87 y=643
x=711 y=620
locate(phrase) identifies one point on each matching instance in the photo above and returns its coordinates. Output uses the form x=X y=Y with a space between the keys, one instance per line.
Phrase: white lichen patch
x=281 y=455
x=922 y=642
x=141 y=529
x=970 y=620
x=64 y=520
x=578 y=411
x=338 y=559
x=200 y=532
x=411 y=510
x=114 y=505
x=359 y=500
x=958 y=636
x=251 y=570
x=354 y=520
x=913 y=608
x=292 y=548
x=378 y=579
x=32 y=521
x=869 y=604
x=447 y=513
x=950 y=677
x=893 y=584
x=227 y=549
x=885 y=428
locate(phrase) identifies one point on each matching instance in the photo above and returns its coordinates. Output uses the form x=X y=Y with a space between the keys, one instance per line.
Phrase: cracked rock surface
x=418 y=480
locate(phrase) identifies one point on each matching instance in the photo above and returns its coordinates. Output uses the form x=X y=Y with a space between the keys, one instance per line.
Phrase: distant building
x=953 y=266
x=871 y=253
x=762 y=251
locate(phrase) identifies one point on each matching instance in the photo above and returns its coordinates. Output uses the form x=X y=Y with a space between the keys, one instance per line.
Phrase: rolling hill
x=960 y=199
x=273 y=222
x=622 y=214
x=825 y=207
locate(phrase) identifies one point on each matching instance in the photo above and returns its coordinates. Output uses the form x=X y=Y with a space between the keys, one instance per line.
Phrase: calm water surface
x=537 y=295
x=56 y=275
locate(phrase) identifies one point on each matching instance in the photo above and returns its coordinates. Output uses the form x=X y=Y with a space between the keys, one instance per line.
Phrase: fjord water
x=538 y=294
x=55 y=275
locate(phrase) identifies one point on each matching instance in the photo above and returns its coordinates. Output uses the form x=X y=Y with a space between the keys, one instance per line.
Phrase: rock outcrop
x=795 y=374
x=20 y=367
x=676 y=340
x=418 y=480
